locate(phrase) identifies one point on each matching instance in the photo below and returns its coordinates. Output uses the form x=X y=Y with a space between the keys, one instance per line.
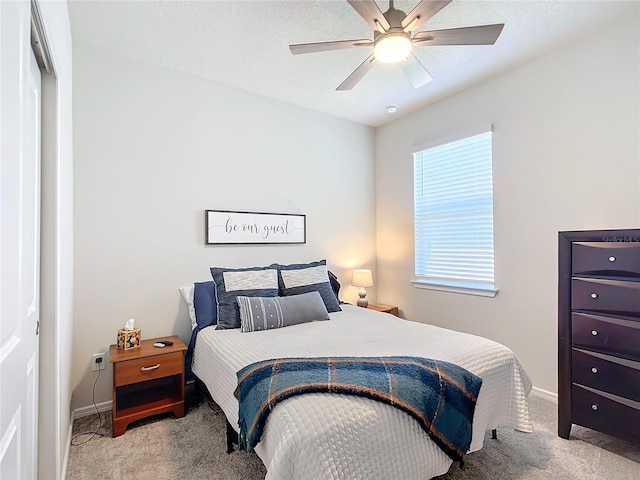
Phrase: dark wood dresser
x=599 y=332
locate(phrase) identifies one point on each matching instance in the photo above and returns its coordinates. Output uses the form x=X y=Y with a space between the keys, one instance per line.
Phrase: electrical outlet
x=97 y=361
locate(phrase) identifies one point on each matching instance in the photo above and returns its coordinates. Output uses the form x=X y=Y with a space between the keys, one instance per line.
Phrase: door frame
x=49 y=426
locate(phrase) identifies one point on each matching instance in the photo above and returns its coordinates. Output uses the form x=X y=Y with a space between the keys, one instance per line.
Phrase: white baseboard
x=91 y=410
x=540 y=393
x=79 y=413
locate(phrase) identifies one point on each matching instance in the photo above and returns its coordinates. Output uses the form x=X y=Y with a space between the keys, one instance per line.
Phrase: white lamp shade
x=392 y=48
x=362 y=278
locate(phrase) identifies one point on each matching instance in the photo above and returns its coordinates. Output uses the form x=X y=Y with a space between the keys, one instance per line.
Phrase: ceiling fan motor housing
x=394 y=17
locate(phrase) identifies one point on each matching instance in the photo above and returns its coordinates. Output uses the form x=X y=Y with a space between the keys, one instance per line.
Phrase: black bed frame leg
x=494 y=434
x=198 y=389
x=232 y=438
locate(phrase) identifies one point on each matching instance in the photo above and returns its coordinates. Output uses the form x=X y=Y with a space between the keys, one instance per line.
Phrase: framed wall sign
x=224 y=227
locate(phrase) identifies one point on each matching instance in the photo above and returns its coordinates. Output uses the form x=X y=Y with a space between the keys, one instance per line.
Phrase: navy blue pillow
x=301 y=278
x=204 y=303
x=335 y=284
x=234 y=282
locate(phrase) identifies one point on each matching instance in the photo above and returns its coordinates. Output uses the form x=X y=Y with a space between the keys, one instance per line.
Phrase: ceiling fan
x=393 y=40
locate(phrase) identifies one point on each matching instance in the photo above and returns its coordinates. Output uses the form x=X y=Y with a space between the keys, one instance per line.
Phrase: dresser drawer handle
x=594 y=295
x=594 y=332
x=612 y=259
x=146 y=369
x=594 y=406
x=594 y=370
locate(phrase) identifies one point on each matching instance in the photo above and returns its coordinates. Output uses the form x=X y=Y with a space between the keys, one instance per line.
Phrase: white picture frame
x=226 y=227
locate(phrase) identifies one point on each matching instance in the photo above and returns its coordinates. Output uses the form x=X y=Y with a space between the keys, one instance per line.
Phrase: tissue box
x=128 y=339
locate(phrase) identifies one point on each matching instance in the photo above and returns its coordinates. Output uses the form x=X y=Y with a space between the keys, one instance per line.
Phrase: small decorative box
x=128 y=339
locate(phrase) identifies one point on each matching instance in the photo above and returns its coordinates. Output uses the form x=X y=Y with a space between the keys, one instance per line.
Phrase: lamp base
x=362 y=301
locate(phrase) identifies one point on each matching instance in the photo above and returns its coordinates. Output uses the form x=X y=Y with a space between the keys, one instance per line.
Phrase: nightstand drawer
x=147 y=368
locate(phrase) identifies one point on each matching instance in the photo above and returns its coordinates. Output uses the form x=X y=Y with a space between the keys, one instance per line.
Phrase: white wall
x=56 y=293
x=153 y=150
x=566 y=156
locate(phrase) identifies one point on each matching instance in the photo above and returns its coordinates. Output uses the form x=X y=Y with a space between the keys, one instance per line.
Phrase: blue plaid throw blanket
x=441 y=396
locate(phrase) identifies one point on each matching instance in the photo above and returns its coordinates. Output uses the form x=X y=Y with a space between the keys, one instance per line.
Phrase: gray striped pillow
x=266 y=313
x=308 y=277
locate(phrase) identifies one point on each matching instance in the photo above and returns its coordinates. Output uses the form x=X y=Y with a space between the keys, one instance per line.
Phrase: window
x=453 y=216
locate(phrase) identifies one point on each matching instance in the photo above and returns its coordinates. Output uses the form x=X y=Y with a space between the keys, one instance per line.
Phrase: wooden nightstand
x=379 y=307
x=147 y=380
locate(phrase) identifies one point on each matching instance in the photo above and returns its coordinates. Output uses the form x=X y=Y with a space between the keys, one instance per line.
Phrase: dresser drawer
x=605 y=413
x=147 y=368
x=604 y=372
x=606 y=334
x=609 y=296
x=617 y=259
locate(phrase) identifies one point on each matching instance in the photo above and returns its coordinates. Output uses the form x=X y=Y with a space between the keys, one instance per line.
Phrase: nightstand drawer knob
x=594 y=370
x=612 y=259
x=594 y=332
x=146 y=369
x=594 y=295
x=594 y=407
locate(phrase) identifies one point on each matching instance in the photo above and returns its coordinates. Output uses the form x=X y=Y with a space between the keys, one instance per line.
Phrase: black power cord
x=97 y=430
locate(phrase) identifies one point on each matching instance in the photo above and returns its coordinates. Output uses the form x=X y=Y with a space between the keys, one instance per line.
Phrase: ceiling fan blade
x=371 y=13
x=480 y=35
x=357 y=74
x=423 y=12
x=326 y=46
x=415 y=71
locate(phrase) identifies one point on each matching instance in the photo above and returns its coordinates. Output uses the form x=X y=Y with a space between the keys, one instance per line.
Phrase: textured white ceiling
x=244 y=43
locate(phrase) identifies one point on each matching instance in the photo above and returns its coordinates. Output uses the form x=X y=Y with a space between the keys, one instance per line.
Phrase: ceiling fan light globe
x=392 y=48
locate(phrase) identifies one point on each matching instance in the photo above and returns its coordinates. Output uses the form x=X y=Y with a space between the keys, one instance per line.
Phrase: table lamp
x=362 y=278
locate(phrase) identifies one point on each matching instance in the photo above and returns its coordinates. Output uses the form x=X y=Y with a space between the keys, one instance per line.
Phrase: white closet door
x=19 y=243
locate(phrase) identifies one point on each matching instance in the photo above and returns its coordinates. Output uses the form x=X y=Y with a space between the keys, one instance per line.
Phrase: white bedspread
x=326 y=436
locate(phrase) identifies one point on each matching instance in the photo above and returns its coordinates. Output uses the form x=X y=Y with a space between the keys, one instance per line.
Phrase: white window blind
x=453 y=202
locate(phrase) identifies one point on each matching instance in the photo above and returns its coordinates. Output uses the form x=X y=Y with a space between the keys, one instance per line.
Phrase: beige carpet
x=193 y=448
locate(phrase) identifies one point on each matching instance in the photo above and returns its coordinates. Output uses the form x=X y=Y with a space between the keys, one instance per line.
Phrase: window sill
x=480 y=292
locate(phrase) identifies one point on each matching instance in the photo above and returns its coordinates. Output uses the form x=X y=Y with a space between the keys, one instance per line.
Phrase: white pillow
x=187 y=295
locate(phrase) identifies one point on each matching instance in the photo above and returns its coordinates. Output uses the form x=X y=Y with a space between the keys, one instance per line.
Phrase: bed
x=320 y=436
